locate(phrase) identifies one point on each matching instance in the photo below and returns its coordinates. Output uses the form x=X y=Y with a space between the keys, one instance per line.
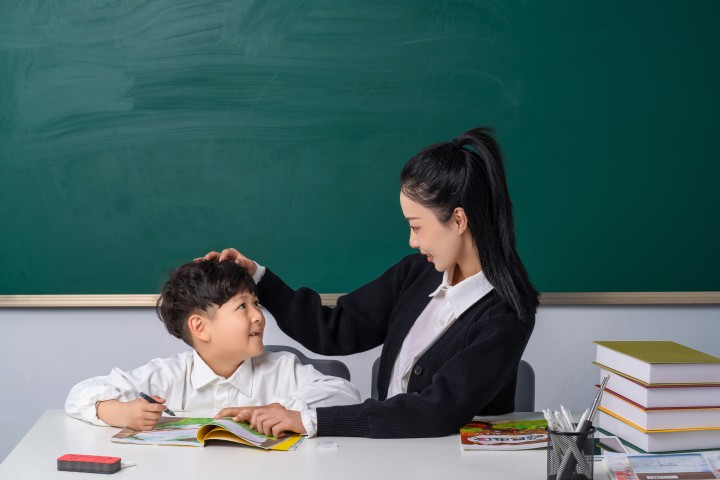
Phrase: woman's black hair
x=197 y=287
x=468 y=172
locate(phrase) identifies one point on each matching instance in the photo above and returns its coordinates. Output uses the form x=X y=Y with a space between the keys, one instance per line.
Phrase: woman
x=453 y=320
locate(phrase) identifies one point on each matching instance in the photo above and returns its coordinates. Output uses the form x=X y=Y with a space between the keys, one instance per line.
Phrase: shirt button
x=418 y=370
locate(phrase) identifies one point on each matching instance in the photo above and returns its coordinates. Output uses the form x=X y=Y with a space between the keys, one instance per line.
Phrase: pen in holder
x=570 y=455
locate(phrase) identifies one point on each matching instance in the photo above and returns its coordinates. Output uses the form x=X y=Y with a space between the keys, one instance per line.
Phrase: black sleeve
x=357 y=323
x=462 y=387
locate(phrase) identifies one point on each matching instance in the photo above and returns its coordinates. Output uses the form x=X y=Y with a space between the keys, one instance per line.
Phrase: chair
x=373 y=383
x=524 y=388
x=336 y=368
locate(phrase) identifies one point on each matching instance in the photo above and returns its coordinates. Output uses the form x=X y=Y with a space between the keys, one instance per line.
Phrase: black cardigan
x=471 y=369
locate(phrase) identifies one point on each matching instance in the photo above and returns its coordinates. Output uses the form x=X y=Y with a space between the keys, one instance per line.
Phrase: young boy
x=213 y=307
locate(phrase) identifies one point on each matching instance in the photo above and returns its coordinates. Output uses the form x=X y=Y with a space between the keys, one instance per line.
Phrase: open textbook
x=195 y=432
x=681 y=466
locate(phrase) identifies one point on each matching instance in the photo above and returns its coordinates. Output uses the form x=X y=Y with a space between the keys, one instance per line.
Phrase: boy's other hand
x=232 y=255
x=137 y=414
x=273 y=419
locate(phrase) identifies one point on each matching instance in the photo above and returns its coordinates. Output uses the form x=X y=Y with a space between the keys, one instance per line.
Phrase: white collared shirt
x=447 y=304
x=189 y=385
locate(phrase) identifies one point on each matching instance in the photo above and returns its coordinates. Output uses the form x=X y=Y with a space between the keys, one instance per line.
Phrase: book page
x=168 y=431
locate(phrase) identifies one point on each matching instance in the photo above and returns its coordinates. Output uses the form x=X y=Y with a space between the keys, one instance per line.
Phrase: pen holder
x=570 y=455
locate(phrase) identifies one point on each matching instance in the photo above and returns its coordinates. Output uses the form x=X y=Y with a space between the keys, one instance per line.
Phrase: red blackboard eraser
x=88 y=463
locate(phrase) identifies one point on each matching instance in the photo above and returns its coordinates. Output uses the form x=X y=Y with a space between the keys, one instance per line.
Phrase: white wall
x=43 y=352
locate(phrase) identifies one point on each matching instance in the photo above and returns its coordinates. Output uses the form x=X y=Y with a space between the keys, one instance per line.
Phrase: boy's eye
x=241 y=306
x=414 y=229
x=257 y=303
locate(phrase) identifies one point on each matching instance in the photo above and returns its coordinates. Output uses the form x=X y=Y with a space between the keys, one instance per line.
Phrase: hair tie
x=457 y=143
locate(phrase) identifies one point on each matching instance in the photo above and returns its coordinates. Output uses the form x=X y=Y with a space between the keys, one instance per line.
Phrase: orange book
x=660 y=418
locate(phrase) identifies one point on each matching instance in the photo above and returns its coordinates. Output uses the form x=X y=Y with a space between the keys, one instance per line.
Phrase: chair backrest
x=336 y=368
x=373 y=383
x=524 y=388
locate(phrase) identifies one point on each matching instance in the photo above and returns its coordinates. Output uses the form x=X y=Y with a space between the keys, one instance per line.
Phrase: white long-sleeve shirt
x=189 y=385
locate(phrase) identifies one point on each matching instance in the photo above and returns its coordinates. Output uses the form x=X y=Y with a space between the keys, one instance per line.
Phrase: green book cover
x=659 y=352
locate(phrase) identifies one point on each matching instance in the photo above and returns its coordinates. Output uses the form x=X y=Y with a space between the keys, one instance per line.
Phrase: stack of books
x=661 y=396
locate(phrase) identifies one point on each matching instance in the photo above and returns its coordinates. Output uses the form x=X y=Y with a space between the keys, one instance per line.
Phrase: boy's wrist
x=308 y=417
x=110 y=412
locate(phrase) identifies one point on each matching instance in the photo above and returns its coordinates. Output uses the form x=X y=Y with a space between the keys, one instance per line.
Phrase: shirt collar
x=466 y=293
x=202 y=375
x=444 y=285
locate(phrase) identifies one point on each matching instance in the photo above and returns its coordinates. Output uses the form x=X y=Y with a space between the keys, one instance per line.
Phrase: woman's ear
x=459 y=220
x=199 y=327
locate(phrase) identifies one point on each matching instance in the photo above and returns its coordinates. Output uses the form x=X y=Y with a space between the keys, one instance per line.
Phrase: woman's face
x=441 y=243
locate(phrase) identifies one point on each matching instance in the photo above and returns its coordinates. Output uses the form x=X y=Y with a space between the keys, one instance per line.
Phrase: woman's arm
x=359 y=321
x=461 y=388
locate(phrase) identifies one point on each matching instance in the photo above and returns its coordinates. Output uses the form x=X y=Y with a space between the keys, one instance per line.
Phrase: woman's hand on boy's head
x=273 y=419
x=233 y=255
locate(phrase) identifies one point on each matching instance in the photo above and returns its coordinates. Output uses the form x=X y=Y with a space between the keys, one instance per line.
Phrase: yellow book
x=659 y=362
x=196 y=432
x=674 y=418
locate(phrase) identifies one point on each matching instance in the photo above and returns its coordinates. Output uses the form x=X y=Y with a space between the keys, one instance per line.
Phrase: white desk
x=55 y=434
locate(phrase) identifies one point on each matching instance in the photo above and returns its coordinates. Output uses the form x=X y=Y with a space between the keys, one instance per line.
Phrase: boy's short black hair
x=196 y=287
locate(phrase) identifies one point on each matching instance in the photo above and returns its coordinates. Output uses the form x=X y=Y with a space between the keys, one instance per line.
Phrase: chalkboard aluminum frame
x=330 y=299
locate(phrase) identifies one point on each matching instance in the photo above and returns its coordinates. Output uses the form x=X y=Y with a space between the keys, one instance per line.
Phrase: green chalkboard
x=138 y=134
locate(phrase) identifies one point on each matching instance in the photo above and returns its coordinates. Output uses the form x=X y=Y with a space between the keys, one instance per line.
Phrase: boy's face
x=237 y=329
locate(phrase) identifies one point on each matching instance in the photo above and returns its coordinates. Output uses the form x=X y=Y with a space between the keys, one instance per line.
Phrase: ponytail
x=468 y=172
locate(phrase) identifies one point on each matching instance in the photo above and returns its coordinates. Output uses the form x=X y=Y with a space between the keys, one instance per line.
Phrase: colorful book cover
x=195 y=432
x=491 y=434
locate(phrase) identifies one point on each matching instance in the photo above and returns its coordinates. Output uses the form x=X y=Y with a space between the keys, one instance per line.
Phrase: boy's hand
x=137 y=414
x=273 y=419
x=232 y=255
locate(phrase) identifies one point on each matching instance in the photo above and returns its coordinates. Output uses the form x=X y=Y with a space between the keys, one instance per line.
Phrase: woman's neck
x=467 y=265
x=461 y=272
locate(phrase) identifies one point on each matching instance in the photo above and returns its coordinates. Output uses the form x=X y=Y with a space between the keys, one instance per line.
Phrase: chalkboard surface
x=138 y=134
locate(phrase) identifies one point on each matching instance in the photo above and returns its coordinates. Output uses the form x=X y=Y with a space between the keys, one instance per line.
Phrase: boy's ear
x=198 y=326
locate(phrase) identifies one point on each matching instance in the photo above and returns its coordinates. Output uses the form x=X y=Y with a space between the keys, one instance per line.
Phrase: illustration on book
x=490 y=434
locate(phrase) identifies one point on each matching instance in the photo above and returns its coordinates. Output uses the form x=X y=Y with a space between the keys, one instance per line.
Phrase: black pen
x=148 y=398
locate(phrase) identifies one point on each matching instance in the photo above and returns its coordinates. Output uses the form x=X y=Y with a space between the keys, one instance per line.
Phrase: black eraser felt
x=72 y=462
